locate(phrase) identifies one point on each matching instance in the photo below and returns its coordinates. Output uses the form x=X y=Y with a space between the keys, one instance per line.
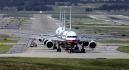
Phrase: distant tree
x=114 y=7
x=45 y=4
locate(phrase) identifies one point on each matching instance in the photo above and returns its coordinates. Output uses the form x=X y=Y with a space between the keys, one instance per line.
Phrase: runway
x=44 y=24
x=101 y=52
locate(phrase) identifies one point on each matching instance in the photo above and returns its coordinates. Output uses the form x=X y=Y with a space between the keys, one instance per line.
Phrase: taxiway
x=44 y=24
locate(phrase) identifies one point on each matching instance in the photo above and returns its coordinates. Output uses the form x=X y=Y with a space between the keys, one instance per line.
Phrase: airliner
x=66 y=38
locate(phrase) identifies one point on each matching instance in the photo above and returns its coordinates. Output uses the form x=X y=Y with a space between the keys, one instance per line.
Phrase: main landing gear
x=76 y=47
x=54 y=47
x=59 y=50
x=59 y=47
x=82 y=50
x=70 y=48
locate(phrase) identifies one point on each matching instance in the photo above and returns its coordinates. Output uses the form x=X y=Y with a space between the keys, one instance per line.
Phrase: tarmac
x=45 y=24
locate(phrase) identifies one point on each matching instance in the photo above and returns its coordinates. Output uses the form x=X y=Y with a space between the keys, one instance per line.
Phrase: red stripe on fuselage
x=71 y=41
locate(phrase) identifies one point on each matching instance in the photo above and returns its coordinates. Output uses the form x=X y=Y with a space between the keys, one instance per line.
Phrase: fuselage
x=70 y=37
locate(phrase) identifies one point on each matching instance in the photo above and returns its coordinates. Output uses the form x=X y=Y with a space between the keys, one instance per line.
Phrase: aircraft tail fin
x=70 y=19
x=62 y=19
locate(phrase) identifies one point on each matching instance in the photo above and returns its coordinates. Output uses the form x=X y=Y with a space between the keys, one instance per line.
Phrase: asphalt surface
x=116 y=19
x=20 y=47
x=44 y=23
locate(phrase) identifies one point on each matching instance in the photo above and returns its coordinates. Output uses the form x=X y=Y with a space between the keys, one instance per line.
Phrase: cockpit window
x=72 y=36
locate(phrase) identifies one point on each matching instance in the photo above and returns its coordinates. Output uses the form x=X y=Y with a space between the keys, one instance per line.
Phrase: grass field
x=6 y=42
x=124 y=49
x=102 y=28
x=7 y=38
x=4 y=48
x=62 y=64
x=10 y=41
x=124 y=44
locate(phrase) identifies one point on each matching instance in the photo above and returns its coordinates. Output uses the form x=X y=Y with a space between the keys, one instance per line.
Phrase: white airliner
x=66 y=38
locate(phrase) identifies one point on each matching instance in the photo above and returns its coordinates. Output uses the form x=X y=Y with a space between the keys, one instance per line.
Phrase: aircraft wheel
x=31 y=46
x=54 y=47
x=82 y=50
x=36 y=45
x=58 y=50
x=71 y=50
x=76 y=48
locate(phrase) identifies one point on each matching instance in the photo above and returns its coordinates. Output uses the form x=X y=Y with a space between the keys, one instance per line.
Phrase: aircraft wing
x=49 y=36
x=32 y=35
x=54 y=38
x=87 y=37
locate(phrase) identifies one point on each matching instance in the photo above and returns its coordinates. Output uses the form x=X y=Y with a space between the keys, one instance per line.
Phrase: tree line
x=36 y=5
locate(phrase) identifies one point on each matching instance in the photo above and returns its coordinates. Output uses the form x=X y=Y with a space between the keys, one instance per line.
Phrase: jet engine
x=44 y=42
x=48 y=43
x=92 y=44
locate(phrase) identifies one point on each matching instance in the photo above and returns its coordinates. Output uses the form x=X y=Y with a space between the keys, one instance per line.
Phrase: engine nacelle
x=45 y=41
x=48 y=43
x=92 y=44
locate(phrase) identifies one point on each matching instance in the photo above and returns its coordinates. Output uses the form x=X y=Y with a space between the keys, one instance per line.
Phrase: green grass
x=119 y=30
x=62 y=64
x=124 y=49
x=91 y=26
x=4 y=48
x=123 y=43
x=6 y=38
x=5 y=43
x=10 y=41
x=84 y=24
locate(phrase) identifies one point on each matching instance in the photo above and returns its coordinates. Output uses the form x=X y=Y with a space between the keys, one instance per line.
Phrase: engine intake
x=92 y=44
x=48 y=43
x=45 y=41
